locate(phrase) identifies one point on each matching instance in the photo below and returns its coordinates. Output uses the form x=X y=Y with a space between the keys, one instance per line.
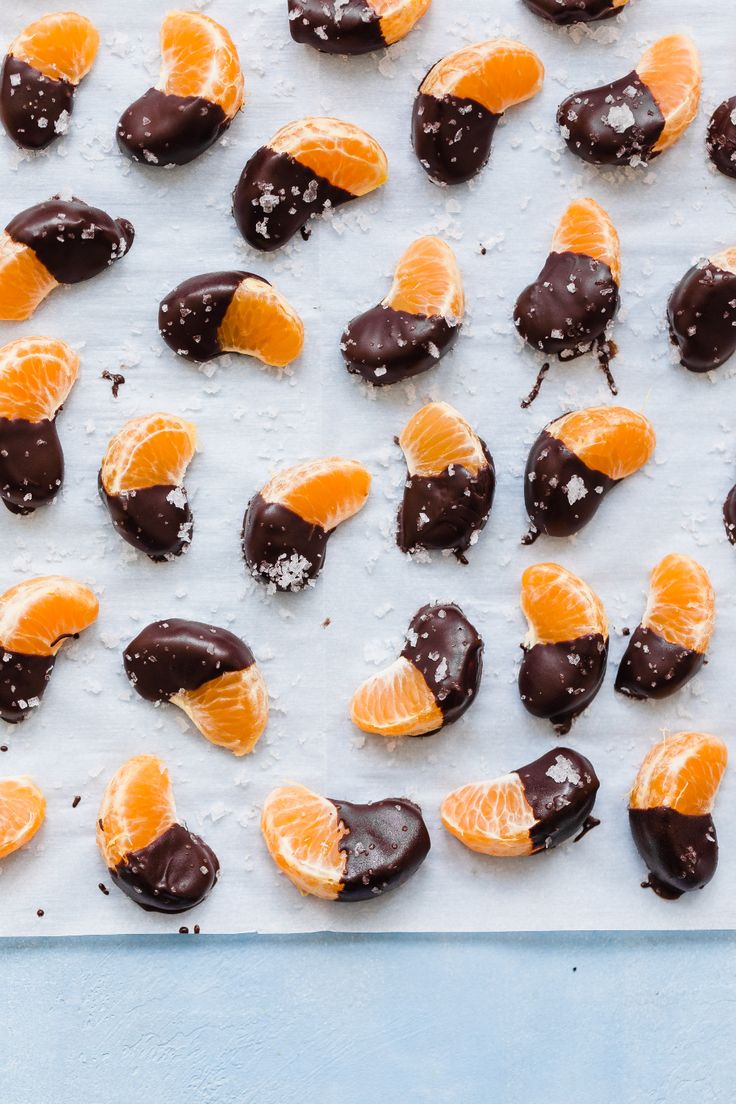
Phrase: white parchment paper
x=253 y=422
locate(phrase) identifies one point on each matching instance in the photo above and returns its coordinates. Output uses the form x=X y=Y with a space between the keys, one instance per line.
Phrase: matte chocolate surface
x=561 y=788
x=729 y=515
x=616 y=124
x=448 y=651
x=336 y=26
x=386 y=346
x=71 y=239
x=569 y=305
x=279 y=547
x=276 y=196
x=34 y=108
x=23 y=680
x=190 y=315
x=651 y=667
x=561 y=493
x=452 y=136
x=565 y=12
x=681 y=852
x=721 y=137
x=161 y=129
x=702 y=317
x=558 y=681
x=169 y=656
x=387 y=842
x=31 y=464
x=173 y=874
x=155 y=520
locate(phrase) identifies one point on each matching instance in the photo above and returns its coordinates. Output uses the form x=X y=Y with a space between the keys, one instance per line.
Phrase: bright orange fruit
x=585 y=228
x=62 y=46
x=608 y=439
x=24 y=281
x=682 y=604
x=671 y=71
x=427 y=282
x=396 y=702
x=22 y=812
x=322 y=492
x=137 y=808
x=493 y=818
x=497 y=74
x=199 y=58
x=149 y=451
x=38 y=615
x=438 y=436
x=339 y=152
x=681 y=772
x=398 y=16
x=260 y=322
x=230 y=710
x=302 y=832
x=36 y=376
x=559 y=606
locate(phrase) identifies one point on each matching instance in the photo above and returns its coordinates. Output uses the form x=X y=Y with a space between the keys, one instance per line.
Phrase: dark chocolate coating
x=173 y=874
x=566 y=12
x=150 y=521
x=161 y=129
x=169 y=656
x=681 y=852
x=561 y=493
x=281 y=548
x=31 y=463
x=276 y=196
x=22 y=677
x=387 y=842
x=71 y=239
x=729 y=515
x=190 y=316
x=583 y=121
x=386 y=346
x=561 y=788
x=651 y=667
x=344 y=27
x=702 y=316
x=556 y=320
x=451 y=136
x=32 y=104
x=448 y=651
x=720 y=138
x=558 y=681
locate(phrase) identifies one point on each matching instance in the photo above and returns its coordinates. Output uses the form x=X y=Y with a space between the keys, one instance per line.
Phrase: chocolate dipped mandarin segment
x=288 y=523
x=729 y=515
x=22 y=812
x=230 y=312
x=701 y=313
x=199 y=92
x=432 y=683
x=669 y=646
x=150 y=855
x=460 y=101
x=451 y=480
x=566 y=12
x=309 y=166
x=634 y=119
x=535 y=808
x=670 y=812
x=575 y=462
x=353 y=26
x=141 y=483
x=410 y=330
x=721 y=137
x=41 y=71
x=342 y=851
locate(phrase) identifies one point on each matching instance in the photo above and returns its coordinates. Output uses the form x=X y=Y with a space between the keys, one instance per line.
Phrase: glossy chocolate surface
x=452 y=136
x=729 y=515
x=702 y=316
x=23 y=680
x=336 y=26
x=569 y=305
x=721 y=137
x=561 y=788
x=651 y=667
x=190 y=316
x=173 y=874
x=34 y=108
x=681 y=852
x=448 y=651
x=558 y=681
x=561 y=493
x=276 y=196
x=155 y=520
x=616 y=124
x=173 y=655
x=279 y=547
x=566 y=12
x=387 y=842
x=161 y=129
x=386 y=346
x=71 y=239
x=31 y=464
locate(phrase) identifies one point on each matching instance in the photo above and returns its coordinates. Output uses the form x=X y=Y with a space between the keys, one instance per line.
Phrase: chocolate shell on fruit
x=721 y=137
x=702 y=313
x=353 y=26
x=567 y=12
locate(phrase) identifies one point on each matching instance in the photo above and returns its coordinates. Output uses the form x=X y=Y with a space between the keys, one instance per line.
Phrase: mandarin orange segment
x=149 y=451
x=497 y=74
x=137 y=808
x=682 y=604
x=427 y=282
x=671 y=71
x=303 y=833
x=493 y=818
x=396 y=702
x=260 y=322
x=559 y=606
x=38 y=615
x=608 y=439
x=230 y=710
x=22 y=812
x=322 y=492
x=199 y=58
x=339 y=152
x=36 y=376
x=24 y=281
x=398 y=16
x=681 y=772
x=587 y=229
x=62 y=46
x=438 y=436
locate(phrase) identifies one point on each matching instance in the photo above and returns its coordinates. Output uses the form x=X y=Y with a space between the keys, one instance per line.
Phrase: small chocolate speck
x=115 y=379
x=483 y=251
x=197 y=929
x=103 y=888
x=626 y=631
x=306 y=232
x=183 y=931
x=327 y=621
x=40 y=912
x=3 y=747
x=75 y=802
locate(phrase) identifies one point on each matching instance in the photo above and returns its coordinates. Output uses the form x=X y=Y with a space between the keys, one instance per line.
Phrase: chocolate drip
x=23 y=679
x=281 y=548
x=651 y=667
x=336 y=26
x=155 y=520
x=566 y=12
x=190 y=316
x=32 y=105
x=702 y=316
x=561 y=788
x=387 y=842
x=386 y=346
x=71 y=239
x=729 y=515
x=276 y=196
x=451 y=136
x=161 y=129
x=448 y=651
x=561 y=493
x=31 y=464
x=444 y=511
x=681 y=852
x=558 y=681
x=169 y=656
x=721 y=137
x=569 y=305
x=616 y=124
x=172 y=874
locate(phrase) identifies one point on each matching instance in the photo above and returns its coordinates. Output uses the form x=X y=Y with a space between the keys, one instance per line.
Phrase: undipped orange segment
x=230 y=710
x=671 y=71
x=427 y=282
x=22 y=812
x=322 y=492
x=62 y=46
x=497 y=74
x=199 y=58
x=302 y=832
x=339 y=152
x=24 y=281
x=438 y=436
x=559 y=606
x=396 y=702
x=152 y=450
x=260 y=322
x=38 y=615
x=36 y=376
x=608 y=439
x=137 y=808
x=682 y=604
x=493 y=818
x=586 y=229
x=398 y=16
x=681 y=772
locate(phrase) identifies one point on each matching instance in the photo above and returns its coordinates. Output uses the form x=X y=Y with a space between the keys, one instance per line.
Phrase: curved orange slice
x=24 y=281
x=38 y=615
x=230 y=710
x=62 y=46
x=36 y=376
x=559 y=606
x=497 y=74
x=493 y=818
x=302 y=833
x=22 y=812
x=342 y=153
x=397 y=17
x=137 y=808
x=260 y=322
x=322 y=492
x=199 y=58
x=681 y=772
x=585 y=228
x=149 y=451
x=396 y=702
x=427 y=282
x=682 y=604
x=608 y=439
x=671 y=71
x=438 y=436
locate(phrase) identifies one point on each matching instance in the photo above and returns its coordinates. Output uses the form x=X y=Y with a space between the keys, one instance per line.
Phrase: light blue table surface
x=554 y=1019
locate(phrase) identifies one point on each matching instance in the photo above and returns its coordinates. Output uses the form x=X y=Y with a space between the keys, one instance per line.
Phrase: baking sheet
x=252 y=422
